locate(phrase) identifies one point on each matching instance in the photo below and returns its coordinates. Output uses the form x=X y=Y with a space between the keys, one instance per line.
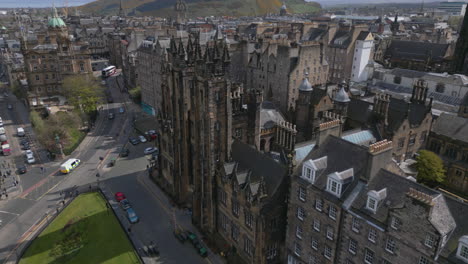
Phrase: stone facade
x=196 y=125
x=271 y=71
x=448 y=139
x=50 y=59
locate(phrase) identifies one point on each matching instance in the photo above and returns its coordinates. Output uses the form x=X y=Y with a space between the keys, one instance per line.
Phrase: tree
x=135 y=93
x=430 y=168
x=83 y=92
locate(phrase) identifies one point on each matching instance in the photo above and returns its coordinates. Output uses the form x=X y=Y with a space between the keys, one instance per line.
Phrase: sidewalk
x=182 y=217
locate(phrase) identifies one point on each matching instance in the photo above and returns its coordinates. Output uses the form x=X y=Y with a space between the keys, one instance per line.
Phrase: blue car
x=132 y=216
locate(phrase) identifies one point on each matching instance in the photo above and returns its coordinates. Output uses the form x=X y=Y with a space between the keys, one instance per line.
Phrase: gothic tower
x=460 y=62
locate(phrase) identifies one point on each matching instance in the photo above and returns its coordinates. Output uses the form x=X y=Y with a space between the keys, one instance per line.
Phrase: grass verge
x=84 y=232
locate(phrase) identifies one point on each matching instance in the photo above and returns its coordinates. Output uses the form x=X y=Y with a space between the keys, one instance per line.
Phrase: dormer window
x=462 y=251
x=336 y=181
x=374 y=198
x=371 y=204
x=310 y=167
x=334 y=187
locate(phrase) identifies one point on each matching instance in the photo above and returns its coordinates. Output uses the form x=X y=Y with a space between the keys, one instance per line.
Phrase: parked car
x=124 y=152
x=10 y=106
x=30 y=159
x=1 y=123
x=5 y=94
x=150 y=150
x=111 y=116
x=119 y=196
x=132 y=216
x=181 y=235
x=201 y=249
x=121 y=110
x=142 y=139
x=22 y=169
x=25 y=146
x=133 y=140
x=125 y=204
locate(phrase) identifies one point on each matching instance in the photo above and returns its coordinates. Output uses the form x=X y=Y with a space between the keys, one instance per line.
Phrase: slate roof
x=342 y=39
x=269 y=115
x=362 y=35
x=460 y=214
x=451 y=126
x=399 y=110
x=397 y=187
x=349 y=156
x=259 y=166
x=359 y=110
x=414 y=50
x=314 y=34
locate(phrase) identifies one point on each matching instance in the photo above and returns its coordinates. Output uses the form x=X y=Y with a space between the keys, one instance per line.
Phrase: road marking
x=5 y=212
x=40 y=183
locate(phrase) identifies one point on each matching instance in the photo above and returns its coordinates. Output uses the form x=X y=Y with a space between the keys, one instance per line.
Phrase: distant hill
x=197 y=8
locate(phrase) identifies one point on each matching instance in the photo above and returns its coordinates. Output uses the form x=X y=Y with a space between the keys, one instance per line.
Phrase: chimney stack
x=328 y=128
x=380 y=153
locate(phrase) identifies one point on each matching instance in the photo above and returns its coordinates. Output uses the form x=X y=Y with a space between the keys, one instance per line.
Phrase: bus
x=69 y=165
x=108 y=71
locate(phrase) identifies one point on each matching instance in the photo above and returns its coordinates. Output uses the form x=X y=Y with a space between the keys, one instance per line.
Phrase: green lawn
x=84 y=232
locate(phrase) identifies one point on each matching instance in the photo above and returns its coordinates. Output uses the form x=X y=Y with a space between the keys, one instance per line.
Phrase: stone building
x=460 y=61
x=279 y=67
x=346 y=206
x=395 y=220
x=151 y=57
x=196 y=123
x=405 y=123
x=311 y=105
x=51 y=58
x=320 y=185
x=341 y=51
x=449 y=139
x=419 y=56
x=251 y=208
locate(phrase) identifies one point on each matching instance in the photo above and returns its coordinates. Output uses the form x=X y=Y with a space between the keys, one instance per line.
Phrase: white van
x=20 y=132
x=69 y=165
x=2 y=131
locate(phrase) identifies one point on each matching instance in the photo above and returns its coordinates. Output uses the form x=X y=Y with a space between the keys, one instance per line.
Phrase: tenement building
x=50 y=58
x=346 y=207
x=279 y=67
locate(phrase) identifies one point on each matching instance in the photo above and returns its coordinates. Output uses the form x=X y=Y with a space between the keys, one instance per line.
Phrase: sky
x=40 y=3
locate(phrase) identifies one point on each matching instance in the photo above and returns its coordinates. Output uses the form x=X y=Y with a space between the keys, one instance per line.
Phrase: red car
x=119 y=196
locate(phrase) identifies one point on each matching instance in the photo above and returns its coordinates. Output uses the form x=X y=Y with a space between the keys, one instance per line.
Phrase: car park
x=133 y=140
x=119 y=196
x=125 y=204
x=142 y=139
x=132 y=216
x=150 y=150
x=22 y=169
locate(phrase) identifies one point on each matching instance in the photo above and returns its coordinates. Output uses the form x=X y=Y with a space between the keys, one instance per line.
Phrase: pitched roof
x=451 y=126
x=399 y=110
x=415 y=50
x=460 y=214
x=260 y=167
x=397 y=188
x=349 y=155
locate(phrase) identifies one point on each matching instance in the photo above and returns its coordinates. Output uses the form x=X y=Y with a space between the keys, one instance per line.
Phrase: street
x=41 y=189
